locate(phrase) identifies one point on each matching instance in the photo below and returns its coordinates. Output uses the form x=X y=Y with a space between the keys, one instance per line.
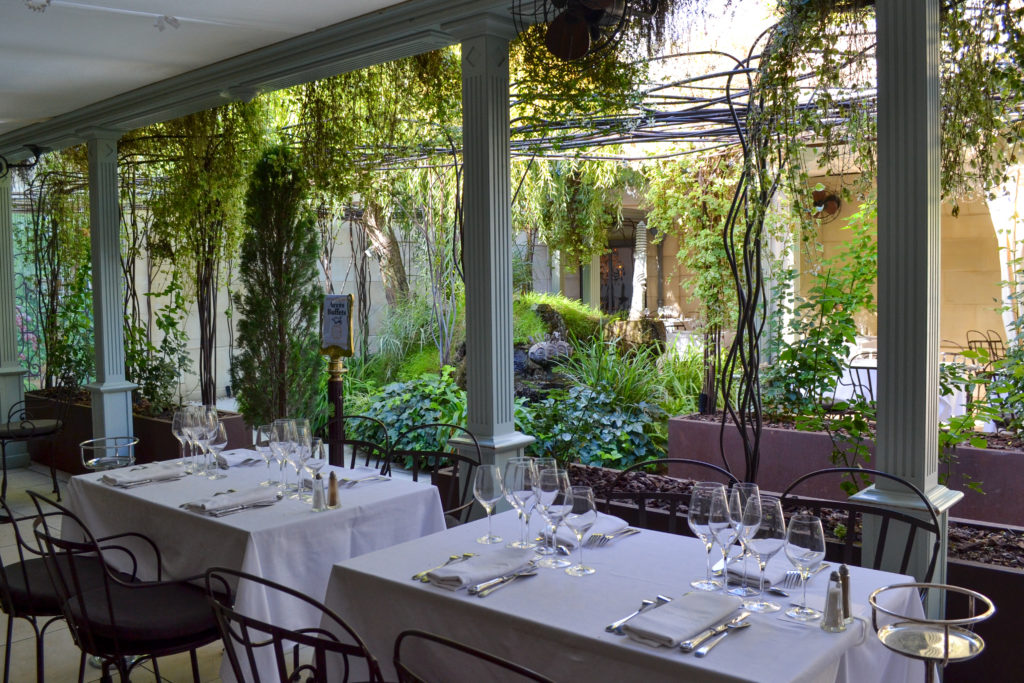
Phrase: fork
x=599 y=540
x=792 y=578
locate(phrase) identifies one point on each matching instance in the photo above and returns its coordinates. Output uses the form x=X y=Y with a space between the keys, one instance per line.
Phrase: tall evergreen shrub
x=275 y=372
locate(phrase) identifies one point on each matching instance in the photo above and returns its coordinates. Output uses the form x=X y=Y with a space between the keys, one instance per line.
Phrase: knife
x=473 y=590
x=693 y=643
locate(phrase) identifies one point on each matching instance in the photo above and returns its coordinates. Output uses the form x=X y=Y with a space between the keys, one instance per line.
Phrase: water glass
x=520 y=473
x=698 y=517
x=554 y=500
x=764 y=543
x=215 y=444
x=315 y=462
x=178 y=431
x=805 y=548
x=264 y=434
x=747 y=519
x=487 y=490
x=580 y=518
x=281 y=443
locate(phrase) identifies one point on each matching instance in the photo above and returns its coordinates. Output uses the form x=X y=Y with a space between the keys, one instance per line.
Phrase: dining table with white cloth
x=554 y=623
x=285 y=542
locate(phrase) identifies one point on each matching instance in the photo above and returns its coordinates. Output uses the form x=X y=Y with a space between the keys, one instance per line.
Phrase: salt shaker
x=844 y=578
x=833 y=621
x=319 y=502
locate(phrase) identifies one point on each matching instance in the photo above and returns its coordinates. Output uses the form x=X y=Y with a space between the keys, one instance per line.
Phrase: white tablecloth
x=855 y=382
x=554 y=623
x=286 y=542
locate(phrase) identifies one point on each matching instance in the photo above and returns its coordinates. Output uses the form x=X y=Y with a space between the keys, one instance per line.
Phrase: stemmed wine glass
x=698 y=516
x=554 y=500
x=315 y=462
x=541 y=463
x=194 y=430
x=216 y=443
x=763 y=543
x=205 y=427
x=725 y=509
x=178 y=431
x=487 y=490
x=280 y=442
x=746 y=519
x=299 y=452
x=264 y=434
x=519 y=475
x=580 y=518
x=805 y=548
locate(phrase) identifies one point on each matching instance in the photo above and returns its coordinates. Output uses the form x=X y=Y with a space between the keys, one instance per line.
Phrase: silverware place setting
x=616 y=626
x=452 y=559
x=710 y=632
x=482 y=590
x=599 y=540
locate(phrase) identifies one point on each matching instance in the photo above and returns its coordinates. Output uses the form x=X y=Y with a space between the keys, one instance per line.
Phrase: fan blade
x=568 y=37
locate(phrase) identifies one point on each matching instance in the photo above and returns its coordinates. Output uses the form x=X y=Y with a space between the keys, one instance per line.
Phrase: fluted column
x=909 y=234
x=11 y=371
x=488 y=234
x=111 y=393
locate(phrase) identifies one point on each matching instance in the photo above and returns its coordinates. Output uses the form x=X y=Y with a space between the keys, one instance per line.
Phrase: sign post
x=336 y=343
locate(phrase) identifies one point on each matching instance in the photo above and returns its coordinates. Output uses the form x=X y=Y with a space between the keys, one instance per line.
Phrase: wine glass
x=178 y=431
x=746 y=519
x=580 y=518
x=315 y=462
x=217 y=442
x=554 y=500
x=299 y=452
x=487 y=490
x=725 y=510
x=194 y=430
x=205 y=428
x=280 y=443
x=519 y=475
x=547 y=545
x=805 y=548
x=763 y=543
x=264 y=434
x=698 y=517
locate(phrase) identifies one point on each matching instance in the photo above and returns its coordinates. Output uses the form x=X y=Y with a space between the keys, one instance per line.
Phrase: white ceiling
x=75 y=53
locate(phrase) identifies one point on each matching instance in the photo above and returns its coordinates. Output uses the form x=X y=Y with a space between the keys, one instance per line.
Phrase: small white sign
x=336 y=325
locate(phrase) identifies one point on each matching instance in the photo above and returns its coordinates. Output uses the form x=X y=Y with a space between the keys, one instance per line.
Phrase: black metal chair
x=990 y=343
x=853 y=511
x=456 y=658
x=325 y=648
x=123 y=622
x=456 y=490
x=22 y=425
x=645 y=496
x=375 y=449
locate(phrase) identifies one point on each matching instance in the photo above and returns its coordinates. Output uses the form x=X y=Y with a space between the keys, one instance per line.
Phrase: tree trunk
x=385 y=245
x=206 y=303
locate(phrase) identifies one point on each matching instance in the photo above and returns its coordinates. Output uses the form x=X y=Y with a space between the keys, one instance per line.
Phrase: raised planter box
x=787 y=454
x=155 y=439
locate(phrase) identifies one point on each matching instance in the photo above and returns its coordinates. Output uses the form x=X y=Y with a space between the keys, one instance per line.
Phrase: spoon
x=616 y=626
x=452 y=559
x=704 y=649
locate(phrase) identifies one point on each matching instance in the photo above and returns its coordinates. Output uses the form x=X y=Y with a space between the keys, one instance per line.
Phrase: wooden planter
x=787 y=454
x=155 y=439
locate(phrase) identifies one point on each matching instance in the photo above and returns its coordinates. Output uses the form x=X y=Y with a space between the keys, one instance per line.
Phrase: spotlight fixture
x=166 y=20
x=37 y=5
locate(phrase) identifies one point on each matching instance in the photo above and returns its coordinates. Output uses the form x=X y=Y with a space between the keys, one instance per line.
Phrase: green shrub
x=633 y=377
x=581 y=320
x=419 y=363
x=525 y=322
x=682 y=376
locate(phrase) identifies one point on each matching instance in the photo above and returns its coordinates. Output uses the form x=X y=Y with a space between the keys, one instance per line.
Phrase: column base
x=112 y=408
x=494 y=450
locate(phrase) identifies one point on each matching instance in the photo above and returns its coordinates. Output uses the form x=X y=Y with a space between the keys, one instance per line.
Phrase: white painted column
x=590 y=282
x=111 y=393
x=11 y=371
x=908 y=257
x=488 y=235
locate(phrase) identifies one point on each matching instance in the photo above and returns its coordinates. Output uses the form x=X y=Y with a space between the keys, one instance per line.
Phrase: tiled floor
x=61 y=654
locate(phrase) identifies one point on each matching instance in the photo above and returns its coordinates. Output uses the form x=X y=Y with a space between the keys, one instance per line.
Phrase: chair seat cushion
x=146 y=619
x=29 y=429
x=33 y=593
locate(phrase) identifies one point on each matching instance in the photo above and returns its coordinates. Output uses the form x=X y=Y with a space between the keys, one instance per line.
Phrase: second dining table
x=285 y=542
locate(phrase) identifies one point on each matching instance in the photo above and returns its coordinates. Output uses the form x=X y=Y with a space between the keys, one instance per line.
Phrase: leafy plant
x=157 y=368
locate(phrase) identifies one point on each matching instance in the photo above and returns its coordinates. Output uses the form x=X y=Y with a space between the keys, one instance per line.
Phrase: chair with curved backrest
x=23 y=425
x=373 y=450
x=324 y=650
x=122 y=621
x=853 y=511
x=456 y=659
x=643 y=493
x=457 y=500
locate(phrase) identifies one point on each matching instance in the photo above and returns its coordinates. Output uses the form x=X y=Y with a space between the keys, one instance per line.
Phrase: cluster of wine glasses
x=289 y=442
x=739 y=519
x=200 y=430
x=530 y=484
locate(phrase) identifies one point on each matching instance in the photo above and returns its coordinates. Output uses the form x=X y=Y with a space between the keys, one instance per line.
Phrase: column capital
x=485 y=24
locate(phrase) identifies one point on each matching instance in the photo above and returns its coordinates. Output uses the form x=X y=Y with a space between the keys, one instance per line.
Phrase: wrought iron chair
x=853 y=511
x=375 y=449
x=674 y=503
x=457 y=495
x=456 y=658
x=990 y=343
x=22 y=425
x=246 y=635
x=123 y=622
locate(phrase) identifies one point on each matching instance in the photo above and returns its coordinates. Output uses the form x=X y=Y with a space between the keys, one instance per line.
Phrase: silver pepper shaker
x=319 y=498
x=833 y=621
x=844 y=579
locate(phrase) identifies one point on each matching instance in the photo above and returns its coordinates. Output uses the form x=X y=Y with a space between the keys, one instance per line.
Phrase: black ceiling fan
x=576 y=28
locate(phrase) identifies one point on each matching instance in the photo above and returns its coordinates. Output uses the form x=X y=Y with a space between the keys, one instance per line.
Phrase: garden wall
x=786 y=454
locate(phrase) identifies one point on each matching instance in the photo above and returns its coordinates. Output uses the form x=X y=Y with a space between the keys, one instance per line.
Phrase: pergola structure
x=89 y=70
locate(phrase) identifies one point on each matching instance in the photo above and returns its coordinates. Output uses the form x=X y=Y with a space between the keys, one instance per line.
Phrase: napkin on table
x=156 y=471
x=358 y=474
x=253 y=496
x=748 y=573
x=605 y=524
x=237 y=457
x=685 y=617
x=481 y=568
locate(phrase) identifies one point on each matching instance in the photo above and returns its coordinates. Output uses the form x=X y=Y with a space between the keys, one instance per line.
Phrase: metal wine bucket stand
x=108 y=452
x=934 y=641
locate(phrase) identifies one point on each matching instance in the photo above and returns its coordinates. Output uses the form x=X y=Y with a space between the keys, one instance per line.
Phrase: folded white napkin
x=685 y=617
x=481 y=568
x=154 y=471
x=253 y=496
x=748 y=573
x=605 y=524
x=238 y=457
